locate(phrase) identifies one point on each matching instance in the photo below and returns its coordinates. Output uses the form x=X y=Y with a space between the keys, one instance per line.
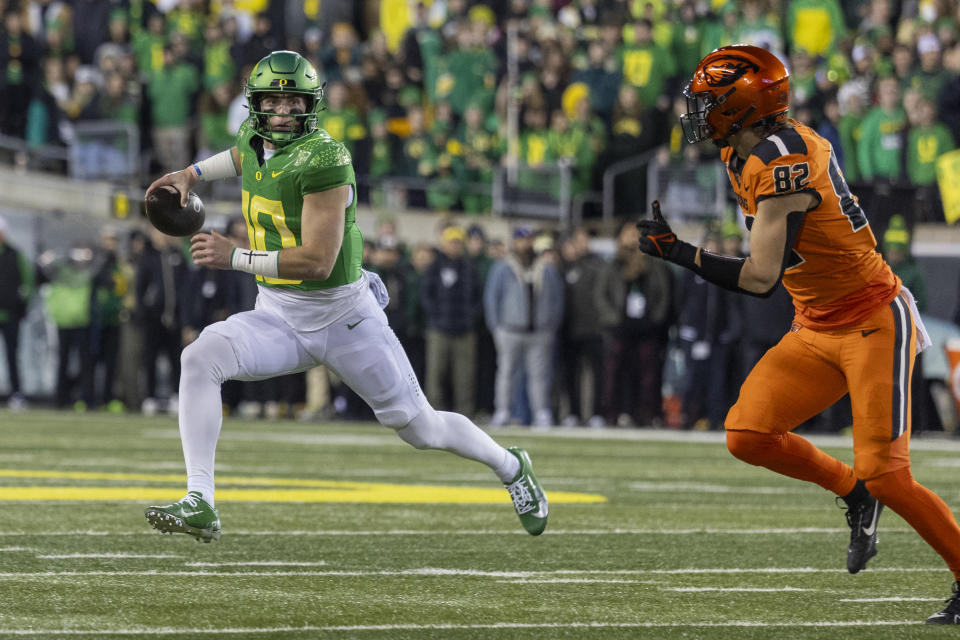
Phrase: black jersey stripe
x=782 y=143
x=903 y=334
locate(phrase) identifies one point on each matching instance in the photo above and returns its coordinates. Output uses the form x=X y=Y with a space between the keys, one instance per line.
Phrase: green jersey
x=272 y=200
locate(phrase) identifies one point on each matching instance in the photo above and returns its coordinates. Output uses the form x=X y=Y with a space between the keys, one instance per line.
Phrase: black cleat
x=951 y=613
x=862 y=519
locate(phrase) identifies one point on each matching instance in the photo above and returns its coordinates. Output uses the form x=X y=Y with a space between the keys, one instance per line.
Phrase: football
x=166 y=214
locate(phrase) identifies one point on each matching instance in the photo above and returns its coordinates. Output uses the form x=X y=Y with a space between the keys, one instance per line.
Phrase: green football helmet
x=284 y=72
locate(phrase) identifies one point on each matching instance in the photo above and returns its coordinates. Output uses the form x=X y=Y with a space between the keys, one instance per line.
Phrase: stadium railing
x=104 y=150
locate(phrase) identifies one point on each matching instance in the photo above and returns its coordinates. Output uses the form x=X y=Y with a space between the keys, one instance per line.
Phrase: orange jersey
x=834 y=274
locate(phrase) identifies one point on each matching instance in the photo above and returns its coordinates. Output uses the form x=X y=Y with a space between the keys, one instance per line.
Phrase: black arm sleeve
x=724 y=271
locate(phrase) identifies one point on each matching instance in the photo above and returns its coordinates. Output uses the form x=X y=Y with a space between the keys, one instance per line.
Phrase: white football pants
x=360 y=348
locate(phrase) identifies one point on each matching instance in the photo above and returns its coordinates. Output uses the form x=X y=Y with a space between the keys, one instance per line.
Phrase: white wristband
x=215 y=167
x=261 y=263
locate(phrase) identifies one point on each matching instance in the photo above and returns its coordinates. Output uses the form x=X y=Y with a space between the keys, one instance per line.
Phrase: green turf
x=690 y=543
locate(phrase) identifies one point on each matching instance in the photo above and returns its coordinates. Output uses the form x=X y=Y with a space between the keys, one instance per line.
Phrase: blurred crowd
x=420 y=91
x=538 y=329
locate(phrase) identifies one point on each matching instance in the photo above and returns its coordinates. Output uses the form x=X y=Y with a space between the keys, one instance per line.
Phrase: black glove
x=656 y=237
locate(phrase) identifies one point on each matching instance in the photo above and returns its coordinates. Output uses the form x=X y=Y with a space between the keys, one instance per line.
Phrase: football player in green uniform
x=315 y=304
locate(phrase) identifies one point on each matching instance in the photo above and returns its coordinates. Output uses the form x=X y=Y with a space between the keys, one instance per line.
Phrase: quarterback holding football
x=315 y=304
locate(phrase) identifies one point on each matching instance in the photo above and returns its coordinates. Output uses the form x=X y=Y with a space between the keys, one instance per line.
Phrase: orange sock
x=924 y=510
x=791 y=455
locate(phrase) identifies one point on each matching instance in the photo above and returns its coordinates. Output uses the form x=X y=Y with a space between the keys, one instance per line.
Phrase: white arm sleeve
x=216 y=167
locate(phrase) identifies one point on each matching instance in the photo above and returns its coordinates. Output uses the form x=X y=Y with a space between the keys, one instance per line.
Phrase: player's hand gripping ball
x=166 y=214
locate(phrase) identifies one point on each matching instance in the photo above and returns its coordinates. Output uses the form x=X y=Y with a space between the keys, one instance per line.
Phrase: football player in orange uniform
x=856 y=328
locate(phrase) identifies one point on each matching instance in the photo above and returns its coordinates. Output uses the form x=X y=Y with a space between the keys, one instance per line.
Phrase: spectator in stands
x=118 y=42
x=450 y=294
x=645 y=65
x=214 y=133
x=467 y=74
x=931 y=77
x=949 y=98
x=161 y=274
x=418 y=157
x=851 y=105
x=387 y=262
x=148 y=45
x=829 y=126
x=486 y=349
x=602 y=77
x=264 y=40
x=19 y=72
x=70 y=286
x=421 y=257
x=536 y=152
x=686 y=39
x=632 y=301
x=478 y=151
x=815 y=26
x=903 y=64
x=581 y=345
x=572 y=148
x=759 y=26
x=927 y=140
x=218 y=67
x=708 y=328
x=340 y=119
x=110 y=284
x=523 y=306
x=16 y=290
x=342 y=58
x=44 y=116
x=130 y=358
x=880 y=144
x=171 y=90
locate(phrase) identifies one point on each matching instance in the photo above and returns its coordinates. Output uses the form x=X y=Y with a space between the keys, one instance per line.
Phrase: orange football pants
x=806 y=372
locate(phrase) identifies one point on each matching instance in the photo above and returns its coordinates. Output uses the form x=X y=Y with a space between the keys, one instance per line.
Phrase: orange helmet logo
x=726 y=71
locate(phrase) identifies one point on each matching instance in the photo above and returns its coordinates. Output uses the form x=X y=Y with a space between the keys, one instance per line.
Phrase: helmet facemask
x=304 y=122
x=286 y=73
x=694 y=121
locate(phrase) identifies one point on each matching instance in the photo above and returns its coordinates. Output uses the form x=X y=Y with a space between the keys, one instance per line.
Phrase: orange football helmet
x=734 y=87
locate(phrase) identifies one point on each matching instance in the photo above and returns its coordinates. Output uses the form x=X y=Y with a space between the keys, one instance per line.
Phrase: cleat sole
x=170 y=524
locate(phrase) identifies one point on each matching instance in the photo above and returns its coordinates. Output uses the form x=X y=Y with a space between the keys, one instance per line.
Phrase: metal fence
x=688 y=190
x=104 y=150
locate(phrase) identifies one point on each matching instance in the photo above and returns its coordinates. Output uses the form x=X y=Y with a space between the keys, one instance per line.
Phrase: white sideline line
x=68 y=556
x=465 y=627
x=475 y=532
x=440 y=572
x=575 y=581
x=16 y=549
x=257 y=563
x=893 y=599
x=654 y=487
x=735 y=589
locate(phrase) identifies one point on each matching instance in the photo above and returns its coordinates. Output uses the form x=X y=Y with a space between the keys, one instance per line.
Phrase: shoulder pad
x=324 y=151
x=785 y=142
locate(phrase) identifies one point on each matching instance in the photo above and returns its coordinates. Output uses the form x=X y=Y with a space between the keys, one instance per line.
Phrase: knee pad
x=751 y=446
x=210 y=355
x=889 y=484
x=425 y=431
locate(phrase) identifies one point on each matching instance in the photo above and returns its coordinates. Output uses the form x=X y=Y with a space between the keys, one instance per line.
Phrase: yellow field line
x=382 y=493
x=318 y=491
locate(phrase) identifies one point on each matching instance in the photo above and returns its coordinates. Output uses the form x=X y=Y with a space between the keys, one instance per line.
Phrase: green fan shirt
x=272 y=200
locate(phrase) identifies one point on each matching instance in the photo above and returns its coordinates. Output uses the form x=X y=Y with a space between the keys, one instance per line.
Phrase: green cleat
x=190 y=514
x=528 y=497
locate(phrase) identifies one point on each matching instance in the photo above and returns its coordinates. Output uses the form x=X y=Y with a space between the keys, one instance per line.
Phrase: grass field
x=343 y=531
